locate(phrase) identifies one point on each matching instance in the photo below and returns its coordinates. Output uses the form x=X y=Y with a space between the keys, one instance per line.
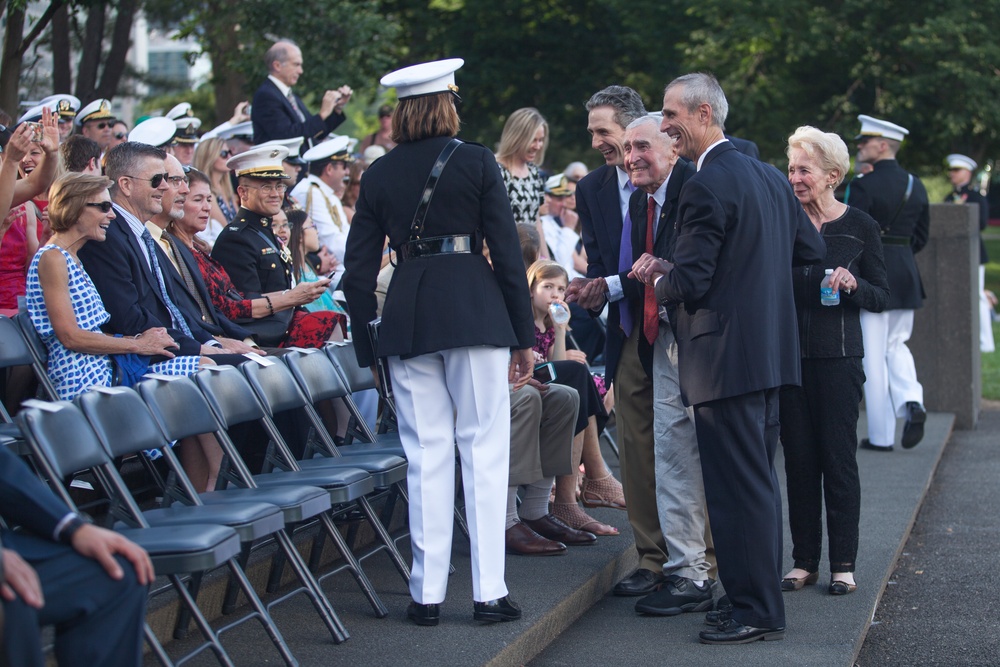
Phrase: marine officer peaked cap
x=96 y=110
x=157 y=131
x=875 y=127
x=332 y=149
x=292 y=145
x=557 y=186
x=424 y=79
x=32 y=115
x=64 y=105
x=179 y=111
x=260 y=162
x=958 y=161
x=187 y=129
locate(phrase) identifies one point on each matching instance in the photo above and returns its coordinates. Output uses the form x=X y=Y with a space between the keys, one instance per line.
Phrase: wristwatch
x=69 y=530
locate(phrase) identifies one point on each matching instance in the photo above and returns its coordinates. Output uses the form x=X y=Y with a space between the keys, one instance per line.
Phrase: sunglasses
x=225 y=152
x=154 y=180
x=120 y=135
x=105 y=206
x=104 y=124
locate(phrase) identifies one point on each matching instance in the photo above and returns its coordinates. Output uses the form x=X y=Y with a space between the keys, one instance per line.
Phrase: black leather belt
x=435 y=245
x=895 y=240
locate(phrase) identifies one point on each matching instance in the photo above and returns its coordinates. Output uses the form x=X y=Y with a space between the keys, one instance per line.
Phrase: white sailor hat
x=158 y=131
x=331 y=149
x=180 y=111
x=97 y=110
x=292 y=145
x=238 y=130
x=260 y=162
x=958 y=161
x=424 y=79
x=557 y=186
x=187 y=129
x=64 y=105
x=373 y=153
x=874 y=127
x=32 y=115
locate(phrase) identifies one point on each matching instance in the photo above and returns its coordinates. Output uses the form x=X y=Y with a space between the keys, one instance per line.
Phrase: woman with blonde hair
x=522 y=148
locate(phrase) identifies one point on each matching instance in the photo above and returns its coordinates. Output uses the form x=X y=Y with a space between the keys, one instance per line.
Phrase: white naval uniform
x=890 y=374
x=986 y=342
x=455 y=396
x=327 y=214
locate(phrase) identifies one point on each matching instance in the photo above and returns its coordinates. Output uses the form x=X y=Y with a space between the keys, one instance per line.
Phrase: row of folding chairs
x=199 y=532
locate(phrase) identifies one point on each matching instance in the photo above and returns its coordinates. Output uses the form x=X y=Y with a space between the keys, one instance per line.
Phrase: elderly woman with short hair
x=819 y=419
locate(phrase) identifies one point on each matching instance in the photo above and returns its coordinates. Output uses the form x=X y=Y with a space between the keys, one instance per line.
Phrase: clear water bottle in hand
x=826 y=294
x=559 y=313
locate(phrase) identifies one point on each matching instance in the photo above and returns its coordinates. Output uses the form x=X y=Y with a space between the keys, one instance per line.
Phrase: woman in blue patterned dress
x=66 y=309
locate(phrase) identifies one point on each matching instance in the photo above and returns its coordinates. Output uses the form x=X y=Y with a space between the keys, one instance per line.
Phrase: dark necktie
x=192 y=287
x=295 y=105
x=625 y=261
x=650 y=310
x=154 y=263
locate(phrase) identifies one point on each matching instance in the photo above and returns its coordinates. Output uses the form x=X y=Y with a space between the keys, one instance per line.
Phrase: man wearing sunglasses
x=127 y=269
x=96 y=122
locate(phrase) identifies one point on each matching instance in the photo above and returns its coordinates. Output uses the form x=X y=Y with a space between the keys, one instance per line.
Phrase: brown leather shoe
x=523 y=541
x=555 y=529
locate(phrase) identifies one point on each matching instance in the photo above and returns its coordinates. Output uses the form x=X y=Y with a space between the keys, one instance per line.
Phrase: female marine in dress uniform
x=448 y=326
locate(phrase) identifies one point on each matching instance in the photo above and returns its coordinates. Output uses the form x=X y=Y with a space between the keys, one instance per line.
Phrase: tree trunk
x=11 y=74
x=121 y=41
x=223 y=43
x=90 y=54
x=62 y=75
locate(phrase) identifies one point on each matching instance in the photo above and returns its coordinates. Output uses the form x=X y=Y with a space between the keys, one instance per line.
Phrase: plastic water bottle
x=559 y=313
x=826 y=294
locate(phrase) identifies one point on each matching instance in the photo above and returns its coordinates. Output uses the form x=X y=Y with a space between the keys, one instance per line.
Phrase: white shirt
x=562 y=241
x=282 y=86
x=701 y=158
x=327 y=214
x=137 y=228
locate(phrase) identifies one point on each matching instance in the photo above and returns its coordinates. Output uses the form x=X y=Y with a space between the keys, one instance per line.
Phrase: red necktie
x=650 y=310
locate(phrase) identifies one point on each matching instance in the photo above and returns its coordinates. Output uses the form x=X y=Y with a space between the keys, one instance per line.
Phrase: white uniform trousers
x=680 y=488
x=986 y=343
x=890 y=374
x=443 y=398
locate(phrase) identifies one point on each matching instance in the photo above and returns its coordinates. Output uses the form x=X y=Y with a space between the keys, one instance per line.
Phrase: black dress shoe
x=424 y=614
x=723 y=612
x=555 y=529
x=640 y=582
x=495 y=611
x=734 y=632
x=866 y=444
x=676 y=596
x=523 y=541
x=913 y=429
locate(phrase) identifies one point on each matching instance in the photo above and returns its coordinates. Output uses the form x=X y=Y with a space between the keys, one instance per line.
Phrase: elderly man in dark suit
x=740 y=229
x=89 y=582
x=658 y=174
x=278 y=113
x=602 y=202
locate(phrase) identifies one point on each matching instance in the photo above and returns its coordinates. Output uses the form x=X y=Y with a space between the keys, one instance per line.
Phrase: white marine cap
x=957 y=161
x=260 y=162
x=331 y=149
x=157 y=131
x=181 y=110
x=424 y=79
x=557 y=186
x=33 y=115
x=373 y=153
x=874 y=127
x=99 y=109
x=63 y=104
x=187 y=129
x=293 y=145
x=238 y=130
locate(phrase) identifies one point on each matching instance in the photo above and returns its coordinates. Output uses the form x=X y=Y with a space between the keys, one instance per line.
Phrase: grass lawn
x=991 y=362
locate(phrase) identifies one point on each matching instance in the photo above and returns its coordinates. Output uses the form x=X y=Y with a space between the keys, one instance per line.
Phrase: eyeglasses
x=154 y=180
x=105 y=206
x=103 y=124
x=176 y=181
x=278 y=189
x=119 y=135
x=308 y=226
x=225 y=152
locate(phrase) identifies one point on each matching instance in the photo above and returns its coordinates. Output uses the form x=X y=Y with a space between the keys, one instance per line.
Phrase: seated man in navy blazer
x=278 y=113
x=740 y=229
x=59 y=570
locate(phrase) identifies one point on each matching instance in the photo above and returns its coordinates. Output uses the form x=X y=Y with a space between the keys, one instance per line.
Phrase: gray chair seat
x=385 y=469
x=298 y=503
x=250 y=520
x=343 y=484
x=188 y=548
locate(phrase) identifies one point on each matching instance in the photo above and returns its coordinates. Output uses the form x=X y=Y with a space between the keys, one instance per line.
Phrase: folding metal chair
x=13 y=352
x=234 y=402
x=124 y=425
x=40 y=354
x=62 y=444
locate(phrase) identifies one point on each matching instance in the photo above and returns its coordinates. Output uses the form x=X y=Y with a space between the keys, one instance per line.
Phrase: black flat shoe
x=733 y=632
x=723 y=612
x=495 y=611
x=794 y=584
x=866 y=444
x=640 y=582
x=424 y=614
x=841 y=587
x=913 y=429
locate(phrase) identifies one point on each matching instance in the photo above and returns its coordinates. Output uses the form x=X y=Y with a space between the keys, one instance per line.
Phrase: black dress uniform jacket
x=446 y=301
x=251 y=255
x=966 y=195
x=879 y=194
